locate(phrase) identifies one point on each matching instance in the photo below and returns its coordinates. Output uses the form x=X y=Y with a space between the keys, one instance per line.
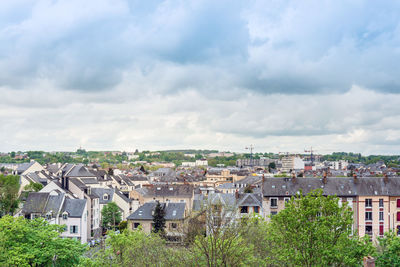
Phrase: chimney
x=293 y=177
x=385 y=178
x=263 y=180
x=369 y=261
x=355 y=179
x=325 y=179
x=237 y=194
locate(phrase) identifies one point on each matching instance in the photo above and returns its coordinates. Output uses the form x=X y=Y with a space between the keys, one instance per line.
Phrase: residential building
x=175 y=214
x=56 y=208
x=375 y=201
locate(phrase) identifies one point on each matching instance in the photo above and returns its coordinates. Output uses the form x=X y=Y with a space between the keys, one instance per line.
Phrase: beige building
x=175 y=214
x=164 y=193
x=375 y=201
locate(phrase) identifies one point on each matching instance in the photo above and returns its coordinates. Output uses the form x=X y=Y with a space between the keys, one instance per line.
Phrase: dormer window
x=65 y=216
x=105 y=197
x=48 y=216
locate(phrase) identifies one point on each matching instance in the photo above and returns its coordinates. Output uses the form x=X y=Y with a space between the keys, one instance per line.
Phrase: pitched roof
x=250 y=199
x=100 y=192
x=167 y=191
x=24 y=166
x=173 y=211
x=79 y=171
x=74 y=207
x=223 y=199
x=366 y=186
x=35 y=202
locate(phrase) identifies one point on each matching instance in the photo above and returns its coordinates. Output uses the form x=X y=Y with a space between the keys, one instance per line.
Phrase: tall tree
x=111 y=216
x=314 y=230
x=388 y=250
x=159 y=219
x=9 y=188
x=36 y=243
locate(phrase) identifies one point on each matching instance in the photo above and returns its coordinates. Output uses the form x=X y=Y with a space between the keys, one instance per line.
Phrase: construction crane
x=251 y=147
x=311 y=154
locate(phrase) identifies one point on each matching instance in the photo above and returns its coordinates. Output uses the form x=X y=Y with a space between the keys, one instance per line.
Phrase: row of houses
x=74 y=195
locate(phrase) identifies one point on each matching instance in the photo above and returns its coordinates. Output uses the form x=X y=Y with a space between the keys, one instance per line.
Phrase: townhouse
x=57 y=208
x=375 y=201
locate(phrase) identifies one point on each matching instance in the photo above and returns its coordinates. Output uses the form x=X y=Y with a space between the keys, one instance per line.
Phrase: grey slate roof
x=173 y=211
x=35 y=202
x=250 y=199
x=74 y=207
x=223 y=199
x=100 y=193
x=167 y=191
x=40 y=202
x=79 y=171
x=24 y=166
x=367 y=186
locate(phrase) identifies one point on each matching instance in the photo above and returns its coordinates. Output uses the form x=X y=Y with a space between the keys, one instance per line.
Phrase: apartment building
x=375 y=201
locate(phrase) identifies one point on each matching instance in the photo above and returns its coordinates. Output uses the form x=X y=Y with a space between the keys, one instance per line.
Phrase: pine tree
x=159 y=219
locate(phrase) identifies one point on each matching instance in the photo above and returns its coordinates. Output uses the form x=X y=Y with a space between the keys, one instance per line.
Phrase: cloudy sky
x=119 y=74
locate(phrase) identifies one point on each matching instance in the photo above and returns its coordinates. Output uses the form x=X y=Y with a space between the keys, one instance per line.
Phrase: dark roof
x=100 y=193
x=40 y=202
x=366 y=186
x=24 y=166
x=168 y=191
x=173 y=211
x=36 y=202
x=78 y=183
x=89 y=181
x=79 y=171
x=250 y=199
x=74 y=207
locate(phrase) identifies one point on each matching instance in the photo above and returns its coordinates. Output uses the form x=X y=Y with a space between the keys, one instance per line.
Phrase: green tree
x=33 y=187
x=111 y=216
x=313 y=230
x=36 y=243
x=388 y=251
x=136 y=248
x=159 y=219
x=9 y=188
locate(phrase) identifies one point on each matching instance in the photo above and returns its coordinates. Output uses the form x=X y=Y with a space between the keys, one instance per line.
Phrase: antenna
x=311 y=155
x=251 y=147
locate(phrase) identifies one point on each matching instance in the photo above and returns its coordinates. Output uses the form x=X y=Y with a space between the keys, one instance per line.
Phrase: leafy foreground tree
x=159 y=219
x=33 y=187
x=36 y=243
x=388 y=252
x=111 y=216
x=9 y=188
x=313 y=230
x=135 y=248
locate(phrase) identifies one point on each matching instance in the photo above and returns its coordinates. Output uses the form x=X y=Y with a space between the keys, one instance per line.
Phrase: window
x=73 y=229
x=256 y=209
x=398 y=203
x=381 y=202
x=173 y=225
x=398 y=230
x=105 y=197
x=368 y=215
x=244 y=209
x=274 y=202
x=65 y=228
x=368 y=229
x=48 y=216
x=380 y=230
x=381 y=215
x=273 y=213
x=65 y=216
x=287 y=199
x=136 y=225
x=398 y=216
x=368 y=203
